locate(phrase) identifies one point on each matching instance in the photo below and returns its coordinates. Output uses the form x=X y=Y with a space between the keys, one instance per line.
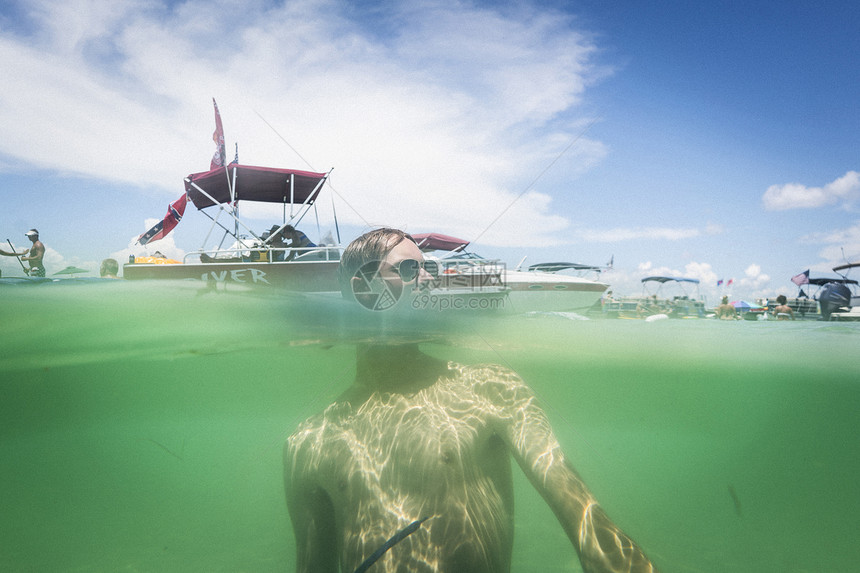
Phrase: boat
x=840 y=300
x=679 y=302
x=540 y=288
x=252 y=259
x=805 y=305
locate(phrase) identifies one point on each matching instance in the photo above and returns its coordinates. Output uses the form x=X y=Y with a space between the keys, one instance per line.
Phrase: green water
x=141 y=428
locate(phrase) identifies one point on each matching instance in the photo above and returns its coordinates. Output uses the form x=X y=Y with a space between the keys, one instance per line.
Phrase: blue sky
x=708 y=140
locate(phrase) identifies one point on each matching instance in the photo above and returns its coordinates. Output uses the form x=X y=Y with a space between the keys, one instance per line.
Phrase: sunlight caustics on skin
x=391 y=458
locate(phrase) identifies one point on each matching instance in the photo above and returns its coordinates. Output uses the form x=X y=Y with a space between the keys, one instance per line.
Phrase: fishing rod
x=18 y=257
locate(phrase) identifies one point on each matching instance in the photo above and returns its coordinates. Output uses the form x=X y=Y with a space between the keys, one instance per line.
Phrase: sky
x=716 y=141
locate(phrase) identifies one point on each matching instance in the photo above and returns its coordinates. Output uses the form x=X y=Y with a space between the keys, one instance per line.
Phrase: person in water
x=726 y=311
x=420 y=447
x=33 y=255
x=109 y=269
x=782 y=311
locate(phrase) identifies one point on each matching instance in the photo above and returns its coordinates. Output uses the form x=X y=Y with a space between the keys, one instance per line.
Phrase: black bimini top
x=663 y=280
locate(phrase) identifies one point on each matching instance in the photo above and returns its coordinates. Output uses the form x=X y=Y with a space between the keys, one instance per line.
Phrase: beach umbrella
x=744 y=305
x=71 y=271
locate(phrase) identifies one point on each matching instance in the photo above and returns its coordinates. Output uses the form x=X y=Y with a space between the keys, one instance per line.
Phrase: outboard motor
x=834 y=296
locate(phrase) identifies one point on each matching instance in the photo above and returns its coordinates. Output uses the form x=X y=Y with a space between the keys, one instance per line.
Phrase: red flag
x=174 y=213
x=220 y=157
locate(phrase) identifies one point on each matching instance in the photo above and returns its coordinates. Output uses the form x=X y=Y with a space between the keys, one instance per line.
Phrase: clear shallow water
x=141 y=428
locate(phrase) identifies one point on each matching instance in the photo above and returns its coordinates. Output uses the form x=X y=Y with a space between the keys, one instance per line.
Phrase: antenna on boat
x=522 y=260
x=334 y=213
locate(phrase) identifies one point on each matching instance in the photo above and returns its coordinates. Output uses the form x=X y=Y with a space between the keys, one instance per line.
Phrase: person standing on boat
x=33 y=255
x=417 y=452
x=782 y=311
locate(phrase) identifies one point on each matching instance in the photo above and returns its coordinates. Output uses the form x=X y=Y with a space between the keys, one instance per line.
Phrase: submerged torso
x=395 y=458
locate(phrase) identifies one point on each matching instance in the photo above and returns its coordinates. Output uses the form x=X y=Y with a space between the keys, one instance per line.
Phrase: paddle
x=18 y=257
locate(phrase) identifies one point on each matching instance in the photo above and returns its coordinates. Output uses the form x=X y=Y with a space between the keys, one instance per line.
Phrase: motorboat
x=673 y=297
x=541 y=288
x=806 y=304
x=840 y=299
x=252 y=259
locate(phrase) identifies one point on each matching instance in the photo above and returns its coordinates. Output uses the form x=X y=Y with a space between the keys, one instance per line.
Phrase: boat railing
x=259 y=254
x=681 y=306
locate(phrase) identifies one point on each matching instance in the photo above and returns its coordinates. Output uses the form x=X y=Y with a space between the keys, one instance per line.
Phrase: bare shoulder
x=314 y=431
x=495 y=383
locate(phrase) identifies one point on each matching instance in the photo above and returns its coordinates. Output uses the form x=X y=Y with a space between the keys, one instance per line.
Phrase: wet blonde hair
x=371 y=246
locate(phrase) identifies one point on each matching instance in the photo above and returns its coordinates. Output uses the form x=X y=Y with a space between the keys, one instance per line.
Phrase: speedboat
x=252 y=259
x=840 y=299
x=540 y=288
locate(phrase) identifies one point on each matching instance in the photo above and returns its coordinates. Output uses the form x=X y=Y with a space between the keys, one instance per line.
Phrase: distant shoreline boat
x=655 y=303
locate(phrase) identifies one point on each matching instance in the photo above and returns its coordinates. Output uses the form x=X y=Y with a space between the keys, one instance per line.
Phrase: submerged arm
x=601 y=545
x=313 y=519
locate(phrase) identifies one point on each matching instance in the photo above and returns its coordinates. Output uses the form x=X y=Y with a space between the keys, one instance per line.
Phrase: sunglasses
x=408 y=269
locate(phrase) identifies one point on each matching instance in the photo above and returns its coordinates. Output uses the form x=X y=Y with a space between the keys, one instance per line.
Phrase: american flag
x=801 y=279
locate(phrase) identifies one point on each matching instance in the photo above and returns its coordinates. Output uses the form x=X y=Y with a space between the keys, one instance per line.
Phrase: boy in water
x=416 y=437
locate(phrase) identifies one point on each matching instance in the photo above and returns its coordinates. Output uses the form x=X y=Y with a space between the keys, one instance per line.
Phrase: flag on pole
x=730 y=282
x=174 y=213
x=801 y=279
x=720 y=282
x=220 y=157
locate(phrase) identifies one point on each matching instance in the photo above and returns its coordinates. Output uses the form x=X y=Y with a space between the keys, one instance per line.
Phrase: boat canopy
x=555 y=267
x=824 y=281
x=263 y=184
x=663 y=280
x=846 y=266
x=439 y=242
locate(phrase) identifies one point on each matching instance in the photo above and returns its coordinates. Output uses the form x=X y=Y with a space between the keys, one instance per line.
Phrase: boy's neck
x=396 y=368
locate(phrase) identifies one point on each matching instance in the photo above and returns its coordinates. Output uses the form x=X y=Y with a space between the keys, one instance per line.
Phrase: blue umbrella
x=744 y=305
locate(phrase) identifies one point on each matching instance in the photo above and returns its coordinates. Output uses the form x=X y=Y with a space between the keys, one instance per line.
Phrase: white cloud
x=439 y=127
x=797 y=196
x=166 y=246
x=839 y=245
x=754 y=278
